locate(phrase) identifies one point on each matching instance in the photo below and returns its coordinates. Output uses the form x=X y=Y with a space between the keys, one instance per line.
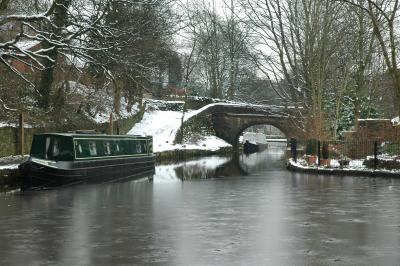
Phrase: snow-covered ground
x=4 y=124
x=9 y=166
x=164 y=125
x=11 y=162
x=354 y=165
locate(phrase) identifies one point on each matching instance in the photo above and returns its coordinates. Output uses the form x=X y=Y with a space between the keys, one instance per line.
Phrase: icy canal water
x=210 y=211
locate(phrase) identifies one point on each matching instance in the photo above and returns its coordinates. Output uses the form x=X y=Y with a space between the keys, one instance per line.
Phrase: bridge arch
x=230 y=120
x=244 y=127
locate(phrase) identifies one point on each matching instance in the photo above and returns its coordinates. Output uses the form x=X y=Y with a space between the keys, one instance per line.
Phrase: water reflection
x=267 y=217
x=194 y=169
x=267 y=160
x=223 y=166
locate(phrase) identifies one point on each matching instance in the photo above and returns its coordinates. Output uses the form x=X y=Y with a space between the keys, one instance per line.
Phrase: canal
x=212 y=211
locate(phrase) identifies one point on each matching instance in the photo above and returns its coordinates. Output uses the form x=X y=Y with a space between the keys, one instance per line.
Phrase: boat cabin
x=77 y=147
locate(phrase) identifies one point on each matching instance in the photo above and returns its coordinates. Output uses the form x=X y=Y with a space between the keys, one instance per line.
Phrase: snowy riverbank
x=356 y=171
x=163 y=125
x=11 y=162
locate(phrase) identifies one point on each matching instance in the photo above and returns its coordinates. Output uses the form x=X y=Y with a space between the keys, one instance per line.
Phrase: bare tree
x=61 y=27
x=236 y=37
x=95 y=35
x=299 y=43
x=383 y=15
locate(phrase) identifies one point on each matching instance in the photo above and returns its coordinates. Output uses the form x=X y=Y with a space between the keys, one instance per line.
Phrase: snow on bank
x=9 y=166
x=11 y=162
x=164 y=125
x=395 y=121
x=4 y=124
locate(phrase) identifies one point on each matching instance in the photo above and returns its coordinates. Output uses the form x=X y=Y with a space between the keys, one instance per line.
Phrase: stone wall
x=9 y=140
x=9 y=135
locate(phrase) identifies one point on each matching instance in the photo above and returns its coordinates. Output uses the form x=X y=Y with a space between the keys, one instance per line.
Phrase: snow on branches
x=58 y=27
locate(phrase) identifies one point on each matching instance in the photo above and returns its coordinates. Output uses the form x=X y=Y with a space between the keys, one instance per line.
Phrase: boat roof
x=96 y=135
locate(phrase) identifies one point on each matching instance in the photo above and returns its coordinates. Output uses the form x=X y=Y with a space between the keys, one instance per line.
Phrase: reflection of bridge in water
x=242 y=164
x=217 y=166
x=265 y=160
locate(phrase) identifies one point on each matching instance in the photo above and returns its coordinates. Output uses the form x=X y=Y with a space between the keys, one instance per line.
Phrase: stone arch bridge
x=230 y=120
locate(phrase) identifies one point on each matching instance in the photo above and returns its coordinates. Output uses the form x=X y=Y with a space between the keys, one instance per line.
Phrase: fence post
x=110 y=129
x=375 y=154
x=319 y=152
x=293 y=149
x=117 y=125
x=21 y=135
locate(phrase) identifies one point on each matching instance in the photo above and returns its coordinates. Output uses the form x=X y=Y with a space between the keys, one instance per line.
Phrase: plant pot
x=311 y=159
x=325 y=162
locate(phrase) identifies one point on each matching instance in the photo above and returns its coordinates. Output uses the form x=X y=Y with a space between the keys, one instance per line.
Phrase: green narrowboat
x=69 y=157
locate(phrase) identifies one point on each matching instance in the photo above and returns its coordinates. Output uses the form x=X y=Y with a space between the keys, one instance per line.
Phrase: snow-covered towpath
x=164 y=125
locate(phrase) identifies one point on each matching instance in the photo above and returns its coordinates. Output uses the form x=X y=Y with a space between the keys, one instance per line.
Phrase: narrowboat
x=254 y=142
x=250 y=147
x=60 y=158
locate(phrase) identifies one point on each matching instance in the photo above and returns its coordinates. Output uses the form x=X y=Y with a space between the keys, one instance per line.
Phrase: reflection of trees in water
x=200 y=169
x=238 y=165
x=189 y=172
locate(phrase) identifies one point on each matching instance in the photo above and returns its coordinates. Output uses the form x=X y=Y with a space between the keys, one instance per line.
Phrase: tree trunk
x=48 y=74
x=47 y=78
x=396 y=78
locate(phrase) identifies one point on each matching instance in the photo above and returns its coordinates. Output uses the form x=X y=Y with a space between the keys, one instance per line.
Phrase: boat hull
x=249 y=147
x=88 y=171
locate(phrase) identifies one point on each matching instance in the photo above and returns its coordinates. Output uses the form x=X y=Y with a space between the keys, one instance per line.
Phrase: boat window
x=52 y=148
x=107 y=148
x=78 y=148
x=138 y=147
x=92 y=148
x=56 y=149
x=122 y=146
x=144 y=147
x=48 y=139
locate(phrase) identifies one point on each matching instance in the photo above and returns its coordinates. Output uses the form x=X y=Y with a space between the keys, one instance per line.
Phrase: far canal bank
x=296 y=167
